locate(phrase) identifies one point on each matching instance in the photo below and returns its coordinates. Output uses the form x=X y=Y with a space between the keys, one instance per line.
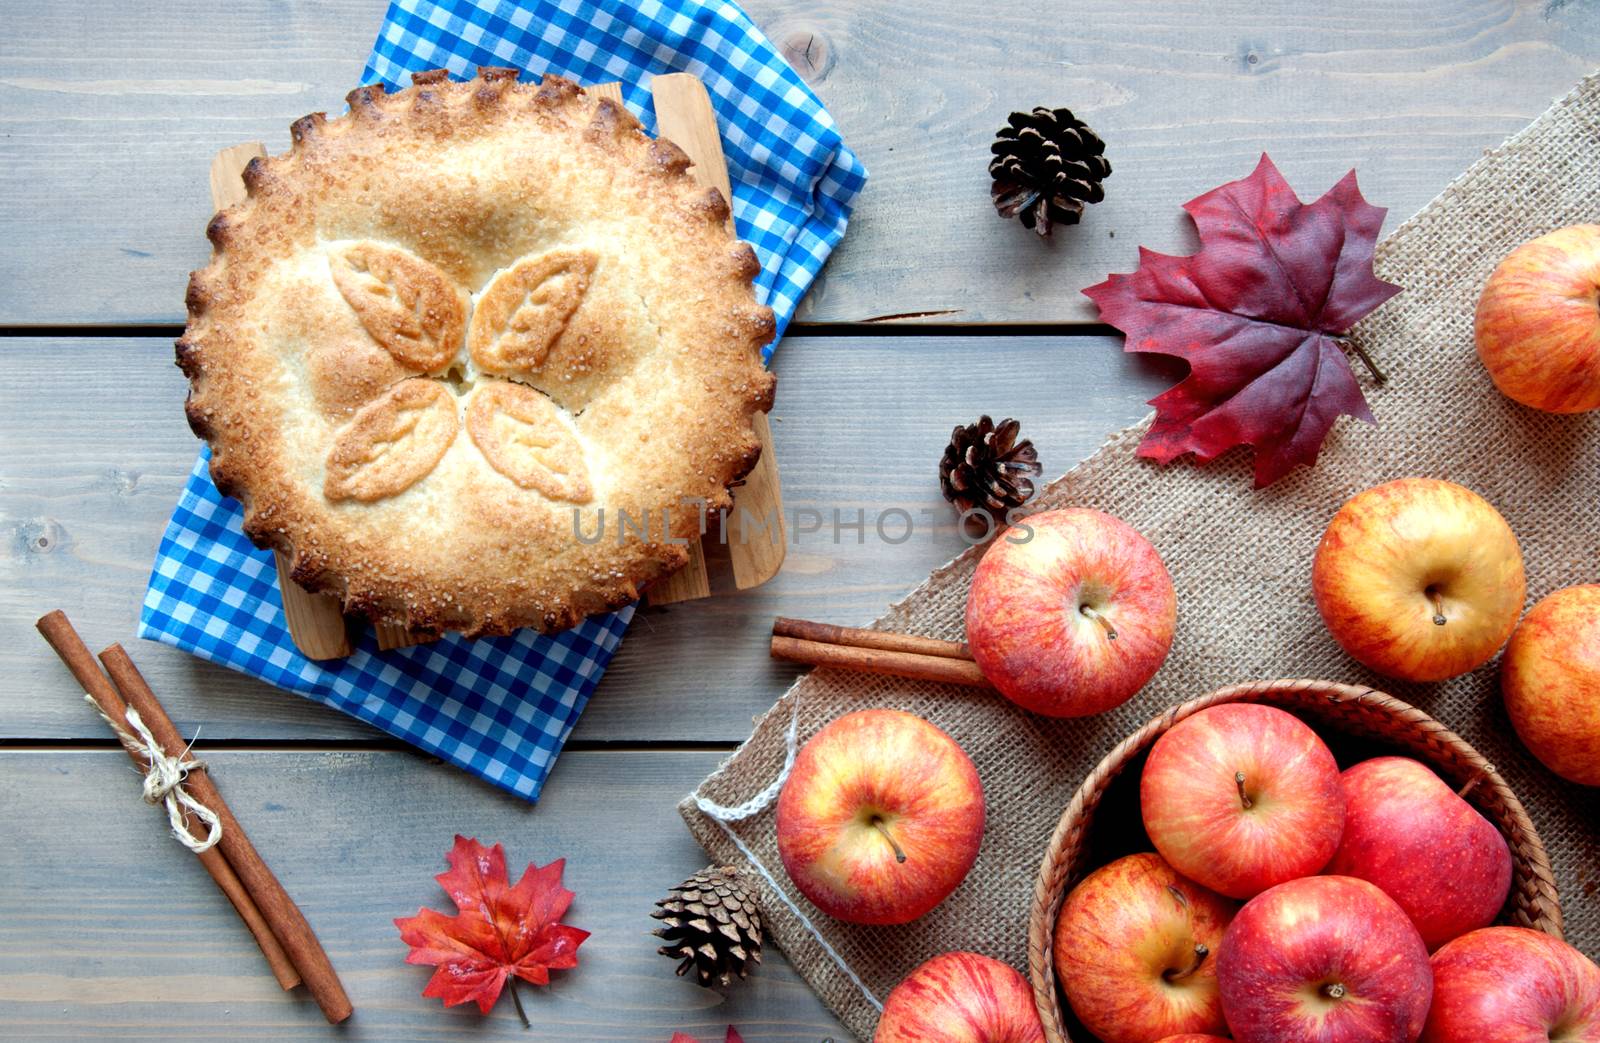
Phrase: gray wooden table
x=932 y=312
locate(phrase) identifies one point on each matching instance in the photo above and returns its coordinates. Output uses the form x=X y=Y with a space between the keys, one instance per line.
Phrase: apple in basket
x=1407 y=832
x=1513 y=985
x=1419 y=579
x=1135 y=951
x=1240 y=796
x=1537 y=328
x=961 y=997
x=1070 y=612
x=880 y=817
x=1194 y=1037
x=1325 y=958
x=1551 y=682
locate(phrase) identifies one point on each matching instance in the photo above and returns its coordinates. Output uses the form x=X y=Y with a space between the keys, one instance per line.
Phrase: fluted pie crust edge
x=307 y=369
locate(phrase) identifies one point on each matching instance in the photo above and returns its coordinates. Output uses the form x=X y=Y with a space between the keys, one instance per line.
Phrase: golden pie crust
x=446 y=322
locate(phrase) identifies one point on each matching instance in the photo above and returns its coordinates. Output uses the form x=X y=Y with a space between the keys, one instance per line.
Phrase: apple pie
x=477 y=355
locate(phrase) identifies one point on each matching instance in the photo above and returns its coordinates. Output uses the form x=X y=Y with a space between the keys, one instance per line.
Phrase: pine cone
x=712 y=923
x=985 y=468
x=1047 y=165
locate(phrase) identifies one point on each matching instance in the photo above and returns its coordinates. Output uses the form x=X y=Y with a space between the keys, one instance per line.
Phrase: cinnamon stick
x=288 y=923
x=943 y=669
x=58 y=631
x=857 y=637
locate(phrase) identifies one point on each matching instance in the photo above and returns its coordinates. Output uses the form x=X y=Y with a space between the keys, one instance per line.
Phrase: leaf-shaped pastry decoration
x=520 y=432
x=526 y=308
x=393 y=442
x=409 y=307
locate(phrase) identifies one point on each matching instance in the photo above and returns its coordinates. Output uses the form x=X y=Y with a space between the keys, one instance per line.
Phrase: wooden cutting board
x=683 y=114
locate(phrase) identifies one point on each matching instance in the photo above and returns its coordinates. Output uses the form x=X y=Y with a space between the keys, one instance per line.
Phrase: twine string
x=759 y=803
x=723 y=815
x=164 y=779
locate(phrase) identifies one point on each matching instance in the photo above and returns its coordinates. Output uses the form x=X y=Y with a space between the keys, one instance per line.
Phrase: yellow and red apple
x=960 y=997
x=1135 y=951
x=1513 y=985
x=1070 y=612
x=1551 y=682
x=1240 y=796
x=1538 y=322
x=1419 y=579
x=880 y=818
x=1325 y=958
x=1409 y=834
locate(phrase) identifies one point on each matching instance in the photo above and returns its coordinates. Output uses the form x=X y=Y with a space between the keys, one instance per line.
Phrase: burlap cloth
x=1241 y=561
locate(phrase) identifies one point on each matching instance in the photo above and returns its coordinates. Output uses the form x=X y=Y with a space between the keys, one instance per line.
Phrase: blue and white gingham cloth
x=502 y=707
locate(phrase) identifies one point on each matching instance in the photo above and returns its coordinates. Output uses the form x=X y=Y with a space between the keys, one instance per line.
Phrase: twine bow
x=164 y=779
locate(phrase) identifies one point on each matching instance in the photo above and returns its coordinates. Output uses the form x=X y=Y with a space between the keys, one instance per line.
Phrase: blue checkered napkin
x=502 y=708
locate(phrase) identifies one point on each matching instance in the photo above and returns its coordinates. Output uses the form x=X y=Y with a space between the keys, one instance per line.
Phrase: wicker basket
x=1357 y=723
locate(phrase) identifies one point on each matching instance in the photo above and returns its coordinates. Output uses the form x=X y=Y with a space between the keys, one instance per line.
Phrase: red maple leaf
x=684 y=1037
x=499 y=932
x=1257 y=314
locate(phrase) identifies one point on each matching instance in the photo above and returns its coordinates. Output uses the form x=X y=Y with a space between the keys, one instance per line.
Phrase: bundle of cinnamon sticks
x=286 y=939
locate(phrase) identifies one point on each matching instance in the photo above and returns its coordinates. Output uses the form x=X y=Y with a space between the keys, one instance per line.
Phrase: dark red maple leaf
x=499 y=932
x=1257 y=314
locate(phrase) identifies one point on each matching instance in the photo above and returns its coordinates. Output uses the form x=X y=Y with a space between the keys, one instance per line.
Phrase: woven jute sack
x=1241 y=561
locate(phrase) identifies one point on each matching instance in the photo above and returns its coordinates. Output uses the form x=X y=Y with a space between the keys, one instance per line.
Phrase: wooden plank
x=226 y=175
x=96 y=451
x=108 y=110
x=109 y=930
x=1186 y=95
x=684 y=114
x=108 y=133
x=691 y=581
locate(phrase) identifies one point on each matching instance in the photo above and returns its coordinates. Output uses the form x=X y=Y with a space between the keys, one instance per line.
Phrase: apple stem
x=1377 y=374
x=1334 y=991
x=1111 y=631
x=1200 y=954
x=1438 y=607
x=1244 y=798
x=899 y=855
x=1471 y=785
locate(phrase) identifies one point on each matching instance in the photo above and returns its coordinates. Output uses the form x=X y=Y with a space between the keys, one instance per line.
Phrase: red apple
x=1408 y=833
x=1133 y=951
x=1513 y=985
x=1070 y=612
x=1538 y=324
x=1419 y=579
x=960 y=997
x=880 y=818
x=1325 y=959
x=1240 y=797
x=1551 y=681
x=1194 y=1037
